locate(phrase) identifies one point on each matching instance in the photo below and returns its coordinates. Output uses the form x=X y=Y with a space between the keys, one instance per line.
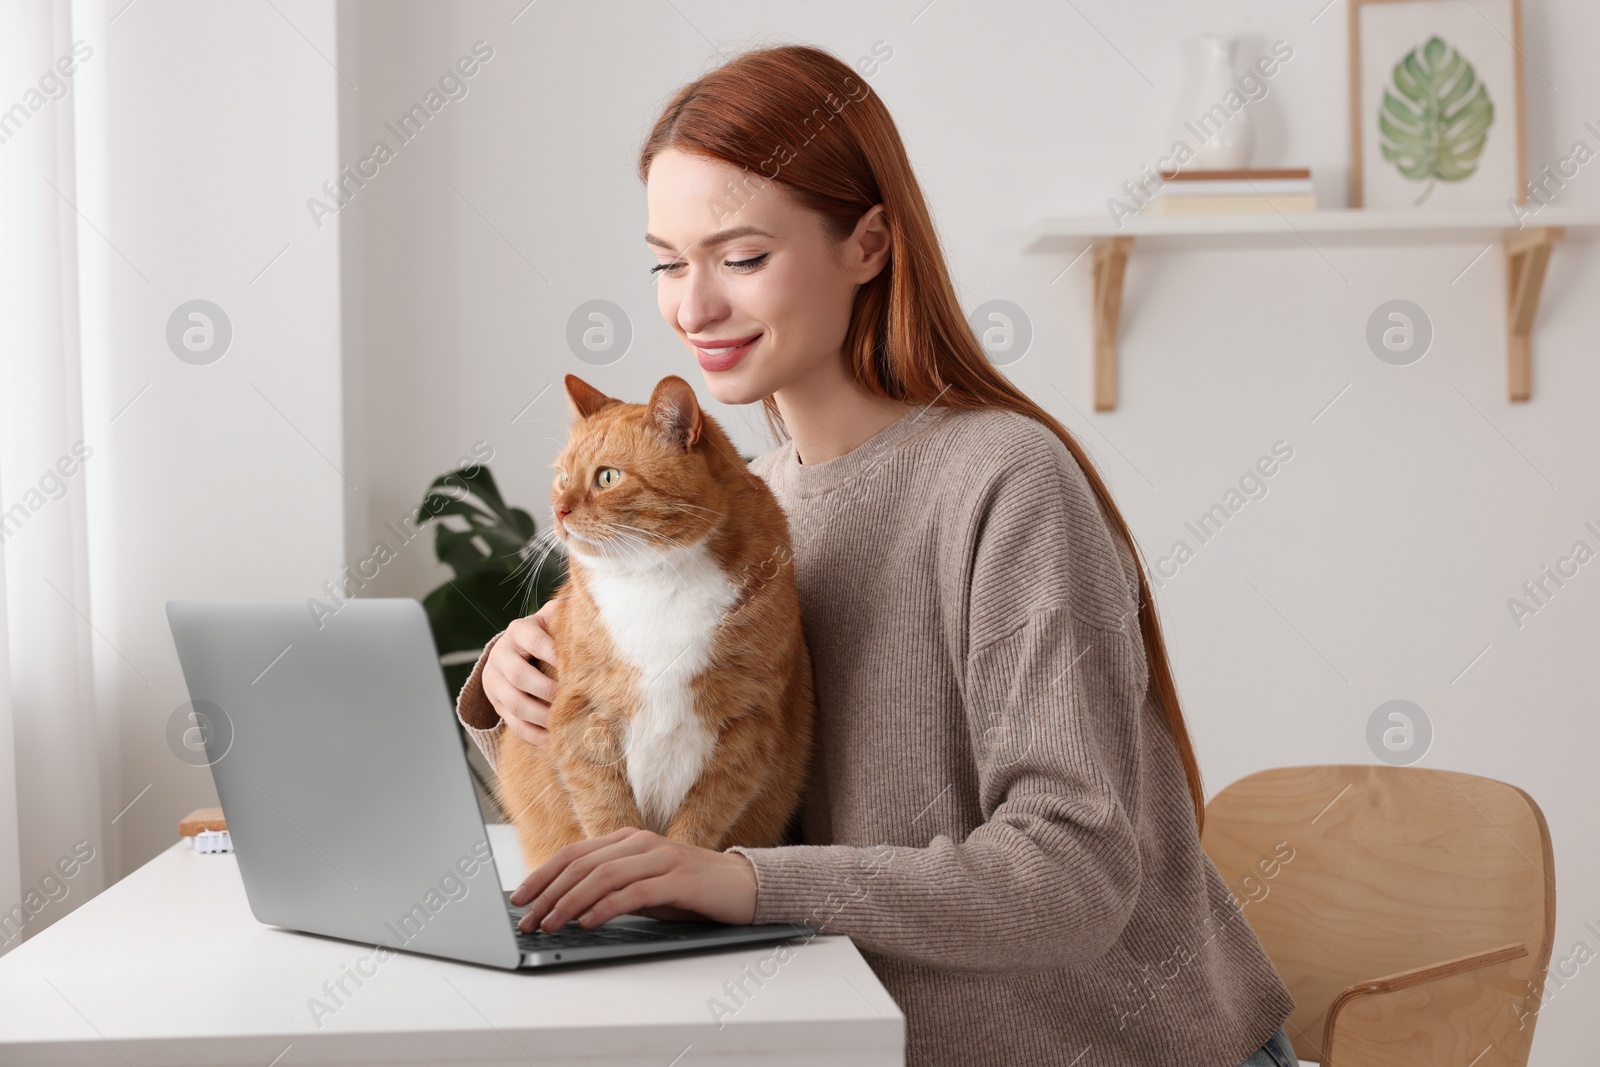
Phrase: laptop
x=340 y=769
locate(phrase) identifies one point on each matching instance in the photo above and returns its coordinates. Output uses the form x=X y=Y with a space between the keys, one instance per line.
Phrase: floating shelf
x=1527 y=257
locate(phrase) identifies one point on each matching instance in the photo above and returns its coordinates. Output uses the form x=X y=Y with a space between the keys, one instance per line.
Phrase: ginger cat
x=684 y=703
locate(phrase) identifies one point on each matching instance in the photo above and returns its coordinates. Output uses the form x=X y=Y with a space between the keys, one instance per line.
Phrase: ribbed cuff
x=811 y=884
x=474 y=711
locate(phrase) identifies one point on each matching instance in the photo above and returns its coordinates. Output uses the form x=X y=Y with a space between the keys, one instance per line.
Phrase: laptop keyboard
x=574 y=936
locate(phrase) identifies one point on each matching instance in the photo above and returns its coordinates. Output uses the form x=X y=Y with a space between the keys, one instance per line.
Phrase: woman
x=1005 y=813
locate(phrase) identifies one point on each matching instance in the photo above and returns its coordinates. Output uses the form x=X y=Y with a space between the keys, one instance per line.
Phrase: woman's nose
x=700 y=306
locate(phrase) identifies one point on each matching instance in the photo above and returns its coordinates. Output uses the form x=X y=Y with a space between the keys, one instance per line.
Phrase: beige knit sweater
x=997 y=814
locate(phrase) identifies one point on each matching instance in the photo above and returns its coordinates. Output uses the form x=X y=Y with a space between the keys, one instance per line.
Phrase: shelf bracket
x=1527 y=257
x=1110 y=263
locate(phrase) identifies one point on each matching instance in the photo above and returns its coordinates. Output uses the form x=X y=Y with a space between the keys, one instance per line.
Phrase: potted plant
x=502 y=569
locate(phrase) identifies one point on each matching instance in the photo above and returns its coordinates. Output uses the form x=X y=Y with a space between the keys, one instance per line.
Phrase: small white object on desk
x=213 y=841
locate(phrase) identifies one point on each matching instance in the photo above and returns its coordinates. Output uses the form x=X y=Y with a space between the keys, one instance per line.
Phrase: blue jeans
x=1277 y=1052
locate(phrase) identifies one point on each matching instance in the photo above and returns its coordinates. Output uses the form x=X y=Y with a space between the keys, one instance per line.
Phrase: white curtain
x=57 y=744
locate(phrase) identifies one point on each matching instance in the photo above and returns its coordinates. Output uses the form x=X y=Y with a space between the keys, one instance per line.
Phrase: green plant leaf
x=523 y=522
x=475 y=480
x=472 y=494
x=494 y=579
x=505 y=530
x=464 y=613
x=1435 y=117
x=462 y=551
x=503 y=541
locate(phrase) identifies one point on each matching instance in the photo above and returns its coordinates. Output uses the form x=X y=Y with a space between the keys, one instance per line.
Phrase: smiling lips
x=723 y=353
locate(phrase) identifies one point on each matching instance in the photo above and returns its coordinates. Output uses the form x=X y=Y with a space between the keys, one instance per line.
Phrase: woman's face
x=740 y=266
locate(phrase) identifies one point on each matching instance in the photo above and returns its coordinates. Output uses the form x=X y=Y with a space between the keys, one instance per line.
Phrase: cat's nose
x=562 y=511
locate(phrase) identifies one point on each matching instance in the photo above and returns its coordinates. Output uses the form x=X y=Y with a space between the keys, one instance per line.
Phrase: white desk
x=168 y=966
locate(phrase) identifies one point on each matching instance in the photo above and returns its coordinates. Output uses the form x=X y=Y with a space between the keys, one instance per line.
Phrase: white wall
x=1380 y=563
x=207 y=125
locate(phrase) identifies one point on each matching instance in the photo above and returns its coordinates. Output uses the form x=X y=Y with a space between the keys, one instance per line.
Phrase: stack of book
x=1233 y=192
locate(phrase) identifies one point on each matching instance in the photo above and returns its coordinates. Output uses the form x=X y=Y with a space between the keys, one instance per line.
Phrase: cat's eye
x=561 y=480
x=607 y=477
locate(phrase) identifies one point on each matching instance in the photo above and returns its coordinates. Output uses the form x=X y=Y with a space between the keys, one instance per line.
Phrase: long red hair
x=799 y=116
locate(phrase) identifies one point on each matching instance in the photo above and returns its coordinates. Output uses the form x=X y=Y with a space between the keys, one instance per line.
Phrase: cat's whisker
x=695 y=511
x=526 y=553
x=553 y=545
x=536 y=552
x=610 y=540
x=656 y=549
x=516 y=572
x=651 y=556
x=683 y=505
x=635 y=548
x=647 y=535
x=528 y=573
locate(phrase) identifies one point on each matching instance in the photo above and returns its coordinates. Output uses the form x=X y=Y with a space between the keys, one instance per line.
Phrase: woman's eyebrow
x=721 y=237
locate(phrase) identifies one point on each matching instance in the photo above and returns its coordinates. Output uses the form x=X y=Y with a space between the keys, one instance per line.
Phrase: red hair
x=799 y=116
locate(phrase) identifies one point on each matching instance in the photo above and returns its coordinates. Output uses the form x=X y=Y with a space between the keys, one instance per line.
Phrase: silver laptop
x=334 y=747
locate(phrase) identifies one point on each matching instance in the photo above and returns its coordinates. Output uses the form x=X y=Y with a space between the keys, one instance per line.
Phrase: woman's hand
x=635 y=871
x=518 y=690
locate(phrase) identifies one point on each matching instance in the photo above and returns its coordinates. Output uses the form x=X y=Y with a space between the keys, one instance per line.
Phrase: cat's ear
x=584 y=399
x=675 y=412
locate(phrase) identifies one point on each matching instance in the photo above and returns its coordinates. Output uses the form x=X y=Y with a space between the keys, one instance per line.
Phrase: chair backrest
x=1350 y=873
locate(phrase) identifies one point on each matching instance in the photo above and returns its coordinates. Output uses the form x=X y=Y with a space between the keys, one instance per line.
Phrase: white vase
x=1232 y=136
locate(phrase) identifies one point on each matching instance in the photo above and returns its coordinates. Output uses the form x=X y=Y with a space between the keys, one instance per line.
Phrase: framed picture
x=1436 y=104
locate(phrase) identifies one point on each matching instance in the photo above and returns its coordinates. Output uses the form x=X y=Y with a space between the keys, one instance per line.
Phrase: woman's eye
x=742 y=265
x=607 y=477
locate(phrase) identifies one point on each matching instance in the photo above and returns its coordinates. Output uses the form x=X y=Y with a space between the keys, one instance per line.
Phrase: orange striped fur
x=684 y=701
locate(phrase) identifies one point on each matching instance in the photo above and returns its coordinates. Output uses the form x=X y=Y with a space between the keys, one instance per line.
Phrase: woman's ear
x=675 y=412
x=872 y=243
x=584 y=399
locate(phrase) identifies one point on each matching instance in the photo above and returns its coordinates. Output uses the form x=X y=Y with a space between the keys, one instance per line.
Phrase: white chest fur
x=662 y=609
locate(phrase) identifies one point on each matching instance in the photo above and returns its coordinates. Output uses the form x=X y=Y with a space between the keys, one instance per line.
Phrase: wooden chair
x=1411 y=912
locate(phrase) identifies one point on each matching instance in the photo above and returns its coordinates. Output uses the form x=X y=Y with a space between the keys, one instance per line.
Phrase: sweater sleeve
x=1052 y=692
x=482 y=722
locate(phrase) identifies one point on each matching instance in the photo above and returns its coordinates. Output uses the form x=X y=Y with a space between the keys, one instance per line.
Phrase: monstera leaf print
x=1435 y=116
